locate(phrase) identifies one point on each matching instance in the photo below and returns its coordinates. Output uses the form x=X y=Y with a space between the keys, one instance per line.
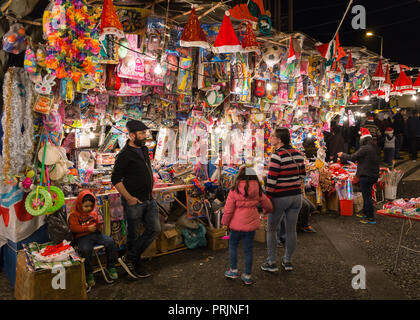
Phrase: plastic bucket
x=346 y=207
x=390 y=192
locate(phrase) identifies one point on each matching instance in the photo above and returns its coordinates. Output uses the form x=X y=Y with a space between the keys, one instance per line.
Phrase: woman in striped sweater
x=284 y=186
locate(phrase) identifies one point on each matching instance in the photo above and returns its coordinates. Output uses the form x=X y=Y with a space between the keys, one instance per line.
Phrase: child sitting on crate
x=242 y=217
x=86 y=226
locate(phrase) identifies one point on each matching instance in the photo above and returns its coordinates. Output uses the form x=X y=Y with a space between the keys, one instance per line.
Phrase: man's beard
x=139 y=143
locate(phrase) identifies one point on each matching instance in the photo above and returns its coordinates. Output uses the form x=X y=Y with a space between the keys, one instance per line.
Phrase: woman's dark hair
x=283 y=134
x=89 y=198
x=246 y=174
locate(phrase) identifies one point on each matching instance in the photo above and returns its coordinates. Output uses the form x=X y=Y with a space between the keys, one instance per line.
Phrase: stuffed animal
x=272 y=54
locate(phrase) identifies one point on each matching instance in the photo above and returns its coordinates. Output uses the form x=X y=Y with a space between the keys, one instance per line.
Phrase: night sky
x=398 y=21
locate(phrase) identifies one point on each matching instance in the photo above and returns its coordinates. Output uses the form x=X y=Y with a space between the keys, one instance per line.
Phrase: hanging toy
x=40 y=57
x=271 y=54
x=39 y=201
x=45 y=86
x=342 y=115
x=66 y=90
x=57 y=196
x=14 y=41
x=351 y=118
x=30 y=66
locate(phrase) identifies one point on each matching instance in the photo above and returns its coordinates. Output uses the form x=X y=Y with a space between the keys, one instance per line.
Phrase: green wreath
x=41 y=206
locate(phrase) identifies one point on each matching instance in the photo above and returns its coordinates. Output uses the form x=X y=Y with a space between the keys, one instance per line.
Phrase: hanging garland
x=6 y=121
x=73 y=45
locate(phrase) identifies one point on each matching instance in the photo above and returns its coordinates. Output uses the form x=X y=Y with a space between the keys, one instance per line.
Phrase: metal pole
x=382 y=45
x=399 y=245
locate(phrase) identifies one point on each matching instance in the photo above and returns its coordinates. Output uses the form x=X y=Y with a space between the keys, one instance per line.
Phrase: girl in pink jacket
x=242 y=217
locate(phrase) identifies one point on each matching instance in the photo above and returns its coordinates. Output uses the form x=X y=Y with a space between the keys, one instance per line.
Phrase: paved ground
x=323 y=266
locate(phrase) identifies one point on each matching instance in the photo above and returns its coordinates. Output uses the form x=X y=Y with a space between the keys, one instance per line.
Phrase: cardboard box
x=150 y=251
x=214 y=238
x=169 y=240
x=332 y=202
x=38 y=285
x=261 y=232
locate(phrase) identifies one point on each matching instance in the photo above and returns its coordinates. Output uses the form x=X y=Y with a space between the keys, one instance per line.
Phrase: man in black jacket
x=368 y=159
x=133 y=178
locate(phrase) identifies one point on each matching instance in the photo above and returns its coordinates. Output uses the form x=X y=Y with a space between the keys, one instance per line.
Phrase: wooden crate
x=151 y=251
x=214 y=238
x=38 y=285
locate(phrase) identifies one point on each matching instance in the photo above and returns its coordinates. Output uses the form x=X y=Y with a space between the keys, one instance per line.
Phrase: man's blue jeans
x=366 y=185
x=146 y=213
x=248 y=245
x=86 y=244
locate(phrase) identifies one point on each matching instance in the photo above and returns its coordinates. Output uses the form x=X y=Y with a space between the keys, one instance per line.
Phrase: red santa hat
x=405 y=84
x=349 y=65
x=364 y=133
x=292 y=55
x=387 y=82
x=249 y=40
x=416 y=84
x=379 y=73
x=389 y=130
x=110 y=24
x=193 y=35
x=227 y=40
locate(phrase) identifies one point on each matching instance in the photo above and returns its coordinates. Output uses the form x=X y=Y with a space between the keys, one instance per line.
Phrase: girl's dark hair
x=246 y=174
x=89 y=198
x=283 y=134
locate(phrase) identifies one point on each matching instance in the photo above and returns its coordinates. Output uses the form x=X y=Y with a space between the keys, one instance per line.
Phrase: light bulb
x=414 y=97
x=238 y=90
x=299 y=113
x=309 y=135
x=367 y=98
x=327 y=95
x=158 y=69
x=269 y=86
x=345 y=118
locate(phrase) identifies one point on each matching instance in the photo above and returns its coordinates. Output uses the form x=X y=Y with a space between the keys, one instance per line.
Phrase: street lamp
x=371 y=34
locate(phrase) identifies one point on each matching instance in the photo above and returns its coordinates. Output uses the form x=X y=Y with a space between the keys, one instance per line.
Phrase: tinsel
x=17 y=122
x=72 y=47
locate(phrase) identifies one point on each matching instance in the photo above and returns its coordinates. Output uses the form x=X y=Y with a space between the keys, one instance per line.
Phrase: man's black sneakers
x=128 y=267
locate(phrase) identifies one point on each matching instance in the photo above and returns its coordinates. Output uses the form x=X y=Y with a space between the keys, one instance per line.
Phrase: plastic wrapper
x=14 y=41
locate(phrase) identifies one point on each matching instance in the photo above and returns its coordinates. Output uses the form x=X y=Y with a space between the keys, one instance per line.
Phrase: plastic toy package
x=14 y=41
